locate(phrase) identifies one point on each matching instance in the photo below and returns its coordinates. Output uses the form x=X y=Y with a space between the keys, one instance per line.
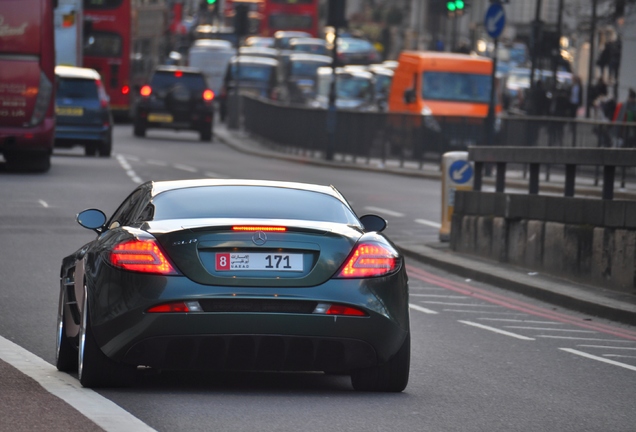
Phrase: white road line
x=601 y=359
x=185 y=168
x=496 y=330
x=129 y=171
x=607 y=347
x=384 y=211
x=484 y=312
x=43 y=203
x=437 y=296
x=421 y=309
x=428 y=223
x=618 y=356
x=157 y=162
x=95 y=407
x=551 y=329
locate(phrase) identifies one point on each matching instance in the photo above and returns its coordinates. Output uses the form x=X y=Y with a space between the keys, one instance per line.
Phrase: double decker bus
x=274 y=15
x=124 y=40
x=27 y=83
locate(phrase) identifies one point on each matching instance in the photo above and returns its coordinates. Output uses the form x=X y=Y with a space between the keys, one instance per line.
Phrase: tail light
x=208 y=95
x=125 y=89
x=103 y=97
x=145 y=91
x=259 y=228
x=143 y=256
x=178 y=74
x=369 y=260
x=42 y=100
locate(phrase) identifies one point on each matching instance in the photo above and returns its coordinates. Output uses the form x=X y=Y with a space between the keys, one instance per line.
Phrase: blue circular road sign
x=460 y=171
x=495 y=20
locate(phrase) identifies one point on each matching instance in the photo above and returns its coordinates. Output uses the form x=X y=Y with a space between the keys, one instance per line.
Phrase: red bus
x=274 y=15
x=124 y=40
x=27 y=83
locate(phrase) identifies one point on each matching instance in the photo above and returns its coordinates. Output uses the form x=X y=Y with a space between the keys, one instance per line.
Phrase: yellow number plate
x=69 y=111
x=160 y=118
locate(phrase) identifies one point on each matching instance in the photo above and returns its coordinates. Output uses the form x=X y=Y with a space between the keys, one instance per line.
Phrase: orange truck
x=444 y=84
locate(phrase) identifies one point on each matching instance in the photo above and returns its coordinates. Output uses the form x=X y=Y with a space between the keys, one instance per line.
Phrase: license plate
x=160 y=118
x=259 y=261
x=69 y=111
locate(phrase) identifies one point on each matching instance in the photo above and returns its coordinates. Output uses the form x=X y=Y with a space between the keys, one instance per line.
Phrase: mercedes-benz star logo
x=259 y=238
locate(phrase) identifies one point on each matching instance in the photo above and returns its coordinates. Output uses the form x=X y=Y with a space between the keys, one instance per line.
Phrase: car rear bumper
x=69 y=136
x=37 y=139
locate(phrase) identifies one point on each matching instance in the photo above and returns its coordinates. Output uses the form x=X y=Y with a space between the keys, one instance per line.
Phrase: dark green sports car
x=234 y=275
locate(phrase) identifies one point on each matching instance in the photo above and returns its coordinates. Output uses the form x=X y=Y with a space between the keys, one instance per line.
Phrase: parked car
x=297 y=82
x=255 y=76
x=82 y=111
x=354 y=51
x=211 y=56
x=234 y=275
x=176 y=98
x=282 y=38
x=355 y=89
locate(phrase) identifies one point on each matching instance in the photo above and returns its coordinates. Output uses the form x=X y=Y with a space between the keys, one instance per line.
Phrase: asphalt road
x=483 y=359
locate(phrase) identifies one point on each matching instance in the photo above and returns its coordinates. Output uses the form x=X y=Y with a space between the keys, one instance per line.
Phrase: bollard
x=457 y=174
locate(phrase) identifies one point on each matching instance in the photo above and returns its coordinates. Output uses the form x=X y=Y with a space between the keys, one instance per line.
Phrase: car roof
x=266 y=61
x=258 y=50
x=290 y=33
x=308 y=41
x=158 y=187
x=185 y=69
x=352 y=71
x=76 y=72
x=213 y=43
x=310 y=57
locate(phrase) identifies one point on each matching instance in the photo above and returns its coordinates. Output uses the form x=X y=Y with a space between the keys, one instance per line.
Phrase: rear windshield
x=311 y=48
x=456 y=87
x=77 y=88
x=251 y=202
x=253 y=72
x=306 y=69
x=166 y=80
x=347 y=87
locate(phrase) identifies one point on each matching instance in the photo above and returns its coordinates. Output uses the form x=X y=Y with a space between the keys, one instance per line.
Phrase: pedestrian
x=603 y=59
x=576 y=96
x=559 y=109
x=626 y=113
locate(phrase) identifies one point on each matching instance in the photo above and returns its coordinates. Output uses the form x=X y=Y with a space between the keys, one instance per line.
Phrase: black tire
x=139 y=130
x=90 y=149
x=393 y=376
x=105 y=148
x=206 y=135
x=66 y=351
x=94 y=368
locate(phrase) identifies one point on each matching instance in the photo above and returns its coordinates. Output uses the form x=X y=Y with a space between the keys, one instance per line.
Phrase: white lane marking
x=157 y=162
x=95 y=407
x=43 y=203
x=129 y=171
x=484 y=312
x=496 y=330
x=132 y=158
x=185 y=168
x=601 y=359
x=428 y=223
x=551 y=329
x=384 y=211
x=421 y=309
x=618 y=356
x=607 y=347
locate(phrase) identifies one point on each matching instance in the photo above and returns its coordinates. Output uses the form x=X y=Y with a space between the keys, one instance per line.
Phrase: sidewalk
x=606 y=304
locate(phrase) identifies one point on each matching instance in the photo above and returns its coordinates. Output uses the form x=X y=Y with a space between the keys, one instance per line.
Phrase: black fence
x=412 y=137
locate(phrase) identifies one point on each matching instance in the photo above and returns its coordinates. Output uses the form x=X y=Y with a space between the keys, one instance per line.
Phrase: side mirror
x=409 y=96
x=373 y=223
x=92 y=219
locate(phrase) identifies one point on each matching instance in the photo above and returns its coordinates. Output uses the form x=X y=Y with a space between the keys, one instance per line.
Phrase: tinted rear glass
x=253 y=72
x=457 y=87
x=165 y=80
x=309 y=69
x=77 y=88
x=250 y=202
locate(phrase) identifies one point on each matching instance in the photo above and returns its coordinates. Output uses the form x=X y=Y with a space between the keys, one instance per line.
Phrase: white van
x=211 y=56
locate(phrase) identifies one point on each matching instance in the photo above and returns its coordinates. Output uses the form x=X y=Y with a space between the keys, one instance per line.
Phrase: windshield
x=347 y=87
x=456 y=87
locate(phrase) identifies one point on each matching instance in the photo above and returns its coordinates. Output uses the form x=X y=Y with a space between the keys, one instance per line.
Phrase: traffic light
x=455 y=6
x=211 y=2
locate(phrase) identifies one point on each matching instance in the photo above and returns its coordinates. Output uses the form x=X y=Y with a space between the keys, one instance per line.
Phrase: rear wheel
x=94 y=368
x=90 y=149
x=66 y=352
x=106 y=147
x=206 y=134
x=139 y=130
x=393 y=376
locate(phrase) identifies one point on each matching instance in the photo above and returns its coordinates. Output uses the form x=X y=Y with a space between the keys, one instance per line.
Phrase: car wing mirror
x=409 y=96
x=92 y=219
x=373 y=223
